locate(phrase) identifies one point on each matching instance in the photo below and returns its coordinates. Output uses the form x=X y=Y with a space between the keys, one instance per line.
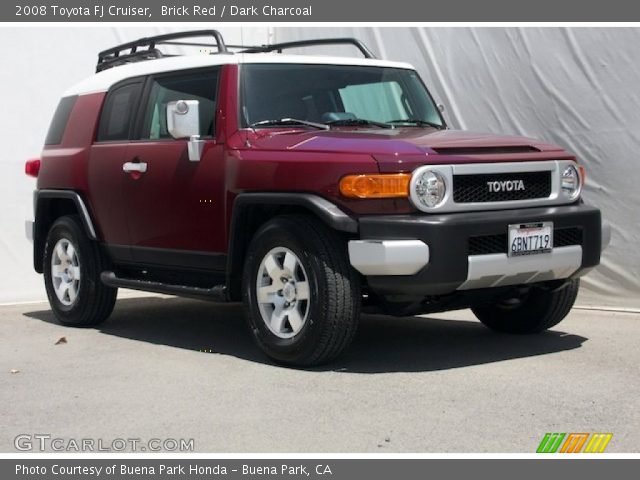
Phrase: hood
x=404 y=148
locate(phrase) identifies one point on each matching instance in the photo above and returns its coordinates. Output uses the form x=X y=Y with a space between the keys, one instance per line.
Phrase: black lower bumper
x=448 y=237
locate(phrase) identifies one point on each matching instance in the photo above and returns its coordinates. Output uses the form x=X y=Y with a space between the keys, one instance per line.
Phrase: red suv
x=309 y=188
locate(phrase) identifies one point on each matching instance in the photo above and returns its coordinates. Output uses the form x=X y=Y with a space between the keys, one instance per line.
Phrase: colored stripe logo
x=574 y=442
x=598 y=442
x=550 y=442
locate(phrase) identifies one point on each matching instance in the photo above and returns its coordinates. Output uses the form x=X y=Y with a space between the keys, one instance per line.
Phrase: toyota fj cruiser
x=307 y=187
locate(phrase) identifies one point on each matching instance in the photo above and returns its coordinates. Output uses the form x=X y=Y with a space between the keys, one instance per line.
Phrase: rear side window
x=201 y=86
x=118 y=113
x=60 y=119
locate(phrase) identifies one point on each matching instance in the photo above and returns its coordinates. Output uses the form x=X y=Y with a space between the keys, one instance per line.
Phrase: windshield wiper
x=289 y=121
x=419 y=122
x=354 y=122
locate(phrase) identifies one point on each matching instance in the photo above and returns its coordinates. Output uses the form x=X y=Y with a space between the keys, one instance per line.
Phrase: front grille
x=488 y=244
x=563 y=237
x=475 y=188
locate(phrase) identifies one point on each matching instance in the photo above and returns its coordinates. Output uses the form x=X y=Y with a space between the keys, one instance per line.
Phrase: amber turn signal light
x=394 y=185
x=583 y=174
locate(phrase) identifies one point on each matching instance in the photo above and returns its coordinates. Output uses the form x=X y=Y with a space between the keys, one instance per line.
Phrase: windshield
x=341 y=95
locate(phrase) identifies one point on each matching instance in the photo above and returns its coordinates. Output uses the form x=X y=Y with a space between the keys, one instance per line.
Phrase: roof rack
x=130 y=53
x=279 y=47
x=117 y=55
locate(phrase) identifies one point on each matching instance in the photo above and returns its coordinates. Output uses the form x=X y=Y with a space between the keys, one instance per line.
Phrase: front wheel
x=302 y=297
x=532 y=312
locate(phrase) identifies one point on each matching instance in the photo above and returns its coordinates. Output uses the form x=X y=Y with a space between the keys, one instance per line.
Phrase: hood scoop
x=486 y=150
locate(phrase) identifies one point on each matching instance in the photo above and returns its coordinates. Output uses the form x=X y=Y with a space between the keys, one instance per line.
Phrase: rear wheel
x=72 y=267
x=301 y=295
x=532 y=312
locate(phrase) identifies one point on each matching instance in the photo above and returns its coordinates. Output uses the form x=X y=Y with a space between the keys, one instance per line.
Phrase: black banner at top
x=271 y=11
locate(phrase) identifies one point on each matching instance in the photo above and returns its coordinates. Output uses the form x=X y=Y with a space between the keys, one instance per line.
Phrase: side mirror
x=441 y=107
x=183 y=121
x=183 y=118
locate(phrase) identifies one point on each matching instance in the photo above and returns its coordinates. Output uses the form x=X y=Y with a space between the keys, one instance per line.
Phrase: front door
x=175 y=210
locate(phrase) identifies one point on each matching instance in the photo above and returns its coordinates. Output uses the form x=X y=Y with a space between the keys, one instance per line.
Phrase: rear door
x=175 y=207
x=108 y=152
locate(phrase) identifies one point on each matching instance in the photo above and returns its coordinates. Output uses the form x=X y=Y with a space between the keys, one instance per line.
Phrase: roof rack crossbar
x=243 y=47
x=192 y=44
x=117 y=55
x=279 y=47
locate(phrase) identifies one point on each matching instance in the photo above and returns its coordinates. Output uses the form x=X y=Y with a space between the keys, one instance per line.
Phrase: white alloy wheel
x=282 y=291
x=65 y=272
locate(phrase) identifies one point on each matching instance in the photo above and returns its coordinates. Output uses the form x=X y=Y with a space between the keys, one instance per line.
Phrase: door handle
x=140 y=167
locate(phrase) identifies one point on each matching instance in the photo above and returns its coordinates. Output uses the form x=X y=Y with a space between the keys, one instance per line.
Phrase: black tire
x=334 y=291
x=94 y=301
x=538 y=310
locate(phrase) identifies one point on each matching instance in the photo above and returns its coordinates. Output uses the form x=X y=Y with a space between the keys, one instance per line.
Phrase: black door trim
x=166 y=257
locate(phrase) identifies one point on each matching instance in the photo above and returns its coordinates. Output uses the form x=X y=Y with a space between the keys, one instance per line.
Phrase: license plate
x=530 y=238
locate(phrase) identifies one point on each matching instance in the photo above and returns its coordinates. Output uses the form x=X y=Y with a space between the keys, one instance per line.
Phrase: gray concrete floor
x=164 y=367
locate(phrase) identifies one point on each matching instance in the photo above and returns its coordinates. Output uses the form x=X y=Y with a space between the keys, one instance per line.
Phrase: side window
x=118 y=113
x=380 y=100
x=201 y=86
x=60 y=119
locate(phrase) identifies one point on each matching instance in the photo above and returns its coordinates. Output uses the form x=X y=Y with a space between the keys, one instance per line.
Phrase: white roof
x=101 y=82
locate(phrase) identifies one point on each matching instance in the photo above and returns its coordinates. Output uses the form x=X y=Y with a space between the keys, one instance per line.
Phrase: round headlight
x=571 y=182
x=430 y=189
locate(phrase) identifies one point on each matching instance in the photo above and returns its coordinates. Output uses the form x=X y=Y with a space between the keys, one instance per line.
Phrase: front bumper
x=430 y=254
x=28 y=230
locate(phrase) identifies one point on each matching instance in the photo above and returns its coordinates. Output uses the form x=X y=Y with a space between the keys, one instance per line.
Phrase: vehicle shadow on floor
x=382 y=344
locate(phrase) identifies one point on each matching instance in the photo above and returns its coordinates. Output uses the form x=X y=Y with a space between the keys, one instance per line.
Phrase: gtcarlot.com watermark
x=44 y=442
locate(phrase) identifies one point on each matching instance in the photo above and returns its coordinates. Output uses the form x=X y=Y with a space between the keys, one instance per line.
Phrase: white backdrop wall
x=575 y=87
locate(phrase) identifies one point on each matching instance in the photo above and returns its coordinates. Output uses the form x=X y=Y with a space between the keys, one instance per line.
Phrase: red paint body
x=178 y=204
